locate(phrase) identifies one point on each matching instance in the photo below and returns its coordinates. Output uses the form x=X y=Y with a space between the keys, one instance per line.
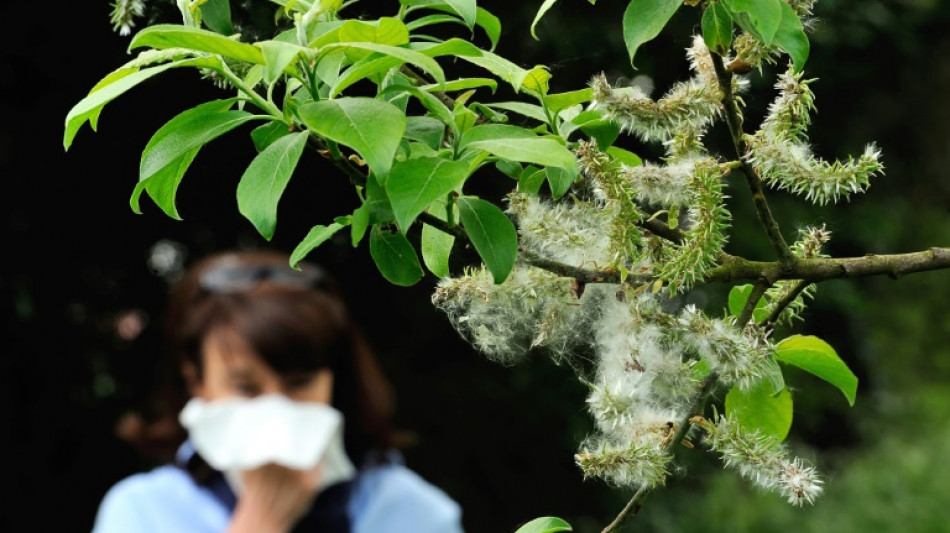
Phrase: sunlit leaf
x=818 y=358
x=643 y=20
x=265 y=179
x=545 y=524
x=760 y=409
x=371 y=127
x=395 y=257
x=492 y=234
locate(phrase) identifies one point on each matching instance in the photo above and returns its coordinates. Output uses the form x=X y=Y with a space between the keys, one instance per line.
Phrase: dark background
x=499 y=440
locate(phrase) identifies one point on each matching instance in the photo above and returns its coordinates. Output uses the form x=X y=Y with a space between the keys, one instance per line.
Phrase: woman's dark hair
x=295 y=320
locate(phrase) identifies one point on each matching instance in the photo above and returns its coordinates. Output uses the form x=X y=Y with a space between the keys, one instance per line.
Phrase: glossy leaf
x=188 y=130
x=436 y=245
x=760 y=409
x=113 y=85
x=425 y=129
x=717 y=28
x=560 y=180
x=545 y=6
x=395 y=257
x=162 y=186
x=403 y=55
x=758 y=17
x=518 y=144
x=492 y=234
x=265 y=134
x=414 y=184
x=545 y=524
x=277 y=57
x=386 y=30
x=315 y=237
x=817 y=357
x=466 y=9
x=643 y=20
x=499 y=66
x=371 y=127
x=532 y=111
x=162 y=36
x=560 y=101
x=791 y=37
x=216 y=15
x=265 y=179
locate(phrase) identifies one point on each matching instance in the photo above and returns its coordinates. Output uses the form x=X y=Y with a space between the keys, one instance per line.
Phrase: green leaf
x=362 y=70
x=817 y=357
x=624 y=156
x=188 y=130
x=277 y=57
x=518 y=144
x=369 y=126
x=414 y=184
x=265 y=179
x=436 y=244
x=761 y=18
x=430 y=20
x=114 y=85
x=216 y=14
x=162 y=36
x=163 y=185
x=791 y=37
x=387 y=30
x=531 y=180
x=760 y=409
x=643 y=20
x=545 y=524
x=490 y=24
x=560 y=101
x=532 y=111
x=265 y=134
x=315 y=237
x=717 y=28
x=395 y=257
x=548 y=4
x=466 y=9
x=560 y=180
x=374 y=65
x=462 y=84
x=425 y=129
x=534 y=80
x=499 y=66
x=359 y=221
x=739 y=295
x=492 y=234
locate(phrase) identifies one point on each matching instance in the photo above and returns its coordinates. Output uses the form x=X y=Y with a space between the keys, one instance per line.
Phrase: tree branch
x=825 y=268
x=762 y=211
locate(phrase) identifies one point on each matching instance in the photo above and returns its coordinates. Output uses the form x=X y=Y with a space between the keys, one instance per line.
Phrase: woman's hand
x=273 y=499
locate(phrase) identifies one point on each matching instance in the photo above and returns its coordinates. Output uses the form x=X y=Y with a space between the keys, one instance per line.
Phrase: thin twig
x=707 y=387
x=762 y=211
x=785 y=302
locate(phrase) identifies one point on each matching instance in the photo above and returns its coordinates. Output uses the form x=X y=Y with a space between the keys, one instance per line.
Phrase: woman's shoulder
x=390 y=497
x=162 y=499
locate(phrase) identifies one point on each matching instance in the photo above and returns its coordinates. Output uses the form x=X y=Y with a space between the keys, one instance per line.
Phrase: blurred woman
x=288 y=417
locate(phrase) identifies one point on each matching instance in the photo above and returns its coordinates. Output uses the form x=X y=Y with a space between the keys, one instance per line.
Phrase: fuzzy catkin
x=780 y=154
x=763 y=461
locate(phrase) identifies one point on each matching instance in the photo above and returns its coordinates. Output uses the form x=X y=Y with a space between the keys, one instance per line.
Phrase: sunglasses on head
x=237 y=276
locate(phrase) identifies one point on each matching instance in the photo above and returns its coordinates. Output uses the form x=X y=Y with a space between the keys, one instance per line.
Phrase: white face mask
x=238 y=434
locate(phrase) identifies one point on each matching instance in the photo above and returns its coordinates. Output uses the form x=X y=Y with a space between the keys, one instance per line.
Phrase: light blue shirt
x=387 y=498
